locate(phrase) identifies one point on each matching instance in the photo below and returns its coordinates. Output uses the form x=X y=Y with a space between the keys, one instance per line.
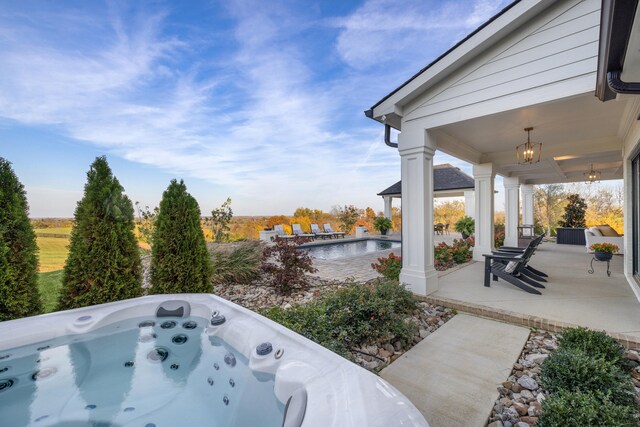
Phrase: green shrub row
x=347 y=318
x=446 y=256
x=588 y=382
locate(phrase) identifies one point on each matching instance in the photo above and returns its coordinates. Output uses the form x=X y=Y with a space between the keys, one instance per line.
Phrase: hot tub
x=182 y=360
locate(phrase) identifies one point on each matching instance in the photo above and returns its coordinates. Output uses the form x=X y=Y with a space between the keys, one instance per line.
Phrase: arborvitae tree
x=180 y=261
x=574 y=212
x=104 y=262
x=19 y=296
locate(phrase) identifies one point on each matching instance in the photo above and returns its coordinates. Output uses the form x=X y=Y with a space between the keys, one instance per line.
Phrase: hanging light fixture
x=529 y=152
x=592 y=176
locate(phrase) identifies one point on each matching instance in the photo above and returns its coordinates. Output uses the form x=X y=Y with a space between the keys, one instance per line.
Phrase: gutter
x=619 y=86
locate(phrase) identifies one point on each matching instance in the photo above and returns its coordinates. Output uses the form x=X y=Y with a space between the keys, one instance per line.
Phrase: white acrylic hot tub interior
x=120 y=364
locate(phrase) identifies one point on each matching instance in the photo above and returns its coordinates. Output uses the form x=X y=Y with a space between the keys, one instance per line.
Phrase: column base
x=420 y=282
x=479 y=251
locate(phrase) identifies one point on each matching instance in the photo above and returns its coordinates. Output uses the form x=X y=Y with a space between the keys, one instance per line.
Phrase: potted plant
x=382 y=224
x=604 y=251
x=465 y=226
x=571 y=230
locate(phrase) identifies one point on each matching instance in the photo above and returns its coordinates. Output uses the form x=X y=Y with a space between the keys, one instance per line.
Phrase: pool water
x=348 y=249
x=146 y=372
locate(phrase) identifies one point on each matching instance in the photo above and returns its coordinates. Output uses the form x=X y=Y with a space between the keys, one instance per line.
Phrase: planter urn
x=603 y=256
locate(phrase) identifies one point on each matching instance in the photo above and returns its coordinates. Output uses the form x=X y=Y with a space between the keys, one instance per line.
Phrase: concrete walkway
x=452 y=375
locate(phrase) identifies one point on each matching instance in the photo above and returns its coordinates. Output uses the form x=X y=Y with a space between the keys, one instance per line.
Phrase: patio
x=572 y=295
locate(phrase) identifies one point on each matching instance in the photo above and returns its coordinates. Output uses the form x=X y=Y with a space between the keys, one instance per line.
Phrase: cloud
x=382 y=32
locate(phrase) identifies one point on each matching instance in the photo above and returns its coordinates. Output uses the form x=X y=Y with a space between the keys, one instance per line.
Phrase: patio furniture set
x=315 y=232
x=441 y=228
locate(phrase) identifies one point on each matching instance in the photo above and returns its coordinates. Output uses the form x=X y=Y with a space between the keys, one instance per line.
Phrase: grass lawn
x=49 y=284
x=53 y=230
x=53 y=253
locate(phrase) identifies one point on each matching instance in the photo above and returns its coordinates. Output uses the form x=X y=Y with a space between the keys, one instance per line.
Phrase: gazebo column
x=527 y=204
x=388 y=204
x=416 y=152
x=512 y=211
x=483 y=174
x=470 y=203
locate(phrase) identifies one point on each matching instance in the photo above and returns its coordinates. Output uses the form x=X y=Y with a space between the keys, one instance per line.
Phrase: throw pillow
x=608 y=231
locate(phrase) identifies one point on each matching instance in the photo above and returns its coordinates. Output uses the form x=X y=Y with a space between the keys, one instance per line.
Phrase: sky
x=261 y=101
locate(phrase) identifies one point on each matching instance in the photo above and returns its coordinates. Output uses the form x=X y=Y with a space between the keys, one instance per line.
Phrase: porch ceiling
x=575 y=132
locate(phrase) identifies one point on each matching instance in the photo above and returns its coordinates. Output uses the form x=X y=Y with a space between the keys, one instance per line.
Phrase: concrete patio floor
x=572 y=295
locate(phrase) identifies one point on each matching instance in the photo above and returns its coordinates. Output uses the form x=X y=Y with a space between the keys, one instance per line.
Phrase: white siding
x=560 y=44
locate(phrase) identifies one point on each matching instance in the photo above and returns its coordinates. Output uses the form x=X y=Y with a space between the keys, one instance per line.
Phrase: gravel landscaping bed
x=521 y=395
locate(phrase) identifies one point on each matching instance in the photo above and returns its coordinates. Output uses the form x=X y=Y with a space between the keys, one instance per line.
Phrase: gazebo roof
x=445 y=178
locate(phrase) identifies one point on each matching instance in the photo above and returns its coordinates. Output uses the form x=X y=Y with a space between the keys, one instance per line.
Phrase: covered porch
x=537 y=65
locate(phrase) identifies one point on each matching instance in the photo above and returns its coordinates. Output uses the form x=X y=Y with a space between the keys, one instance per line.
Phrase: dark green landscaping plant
x=580 y=409
x=180 y=261
x=596 y=344
x=575 y=370
x=574 y=212
x=466 y=226
x=19 y=295
x=382 y=224
x=104 y=262
x=347 y=318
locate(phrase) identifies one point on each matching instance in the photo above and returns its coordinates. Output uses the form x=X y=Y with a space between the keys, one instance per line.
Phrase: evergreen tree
x=19 y=296
x=180 y=261
x=574 y=212
x=104 y=262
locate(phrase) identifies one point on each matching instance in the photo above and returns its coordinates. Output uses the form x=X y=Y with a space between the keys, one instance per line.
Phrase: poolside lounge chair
x=297 y=231
x=315 y=229
x=281 y=234
x=328 y=229
x=510 y=267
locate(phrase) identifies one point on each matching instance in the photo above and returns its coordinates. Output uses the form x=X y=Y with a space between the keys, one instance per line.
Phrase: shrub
x=19 y=295
x=575 y=370
x=103 y=264
x=574 y=212
x=596 y=344
x=443 y=256
x=286 y=265
x=389 y=267
x=461 y=250
x=349 y=317
x=498 y=237
x=180 y=261
x=240 y=265
x=578 y=409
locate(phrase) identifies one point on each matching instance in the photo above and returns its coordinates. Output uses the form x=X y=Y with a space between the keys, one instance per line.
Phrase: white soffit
x=631 y=66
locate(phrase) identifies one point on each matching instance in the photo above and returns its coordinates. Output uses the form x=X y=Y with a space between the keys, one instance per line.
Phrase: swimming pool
x=348 y=249
x=182 y=360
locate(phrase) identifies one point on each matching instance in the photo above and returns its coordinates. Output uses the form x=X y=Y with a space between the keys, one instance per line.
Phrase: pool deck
x=358 y=267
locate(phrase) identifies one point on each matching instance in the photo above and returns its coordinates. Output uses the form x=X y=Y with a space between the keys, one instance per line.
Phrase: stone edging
x=520 y=319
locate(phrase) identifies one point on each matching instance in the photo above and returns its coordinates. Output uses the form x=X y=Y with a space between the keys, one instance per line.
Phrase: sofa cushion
x=608 y=231
x=595 y=231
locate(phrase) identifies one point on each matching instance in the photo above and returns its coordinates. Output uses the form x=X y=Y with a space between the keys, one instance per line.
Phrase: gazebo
x=448 y=181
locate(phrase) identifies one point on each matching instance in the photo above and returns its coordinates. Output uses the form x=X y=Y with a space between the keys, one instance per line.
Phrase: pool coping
x=332 y=241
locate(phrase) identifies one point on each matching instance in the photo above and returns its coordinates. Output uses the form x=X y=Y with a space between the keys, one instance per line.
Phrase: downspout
x=619 y=86
x=387 y=129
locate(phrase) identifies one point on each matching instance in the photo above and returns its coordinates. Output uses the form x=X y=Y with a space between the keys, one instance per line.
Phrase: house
x=563 y=73
x=448 y=181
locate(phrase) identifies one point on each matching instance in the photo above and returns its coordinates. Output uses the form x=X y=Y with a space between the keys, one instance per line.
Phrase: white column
x=387 y=206
x=470 y=203
x=527 y=204
x=416 y=153
x=483 y=175
x=511 y=211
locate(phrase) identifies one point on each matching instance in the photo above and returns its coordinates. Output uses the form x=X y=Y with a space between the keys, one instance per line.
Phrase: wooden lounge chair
x=297 y=231
x=328 y=229
x=281 y=234
x=510 y=267
x=315 y=229
x=528 y=269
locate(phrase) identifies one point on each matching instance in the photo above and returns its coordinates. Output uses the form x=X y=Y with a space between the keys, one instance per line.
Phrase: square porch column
x=388 y=204
x=470 y=203
x=512 y=211
x=416 y=153
x=527 y=204
x=483 y=174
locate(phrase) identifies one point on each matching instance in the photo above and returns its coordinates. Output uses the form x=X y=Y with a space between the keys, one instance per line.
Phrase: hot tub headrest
x=174 y=308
